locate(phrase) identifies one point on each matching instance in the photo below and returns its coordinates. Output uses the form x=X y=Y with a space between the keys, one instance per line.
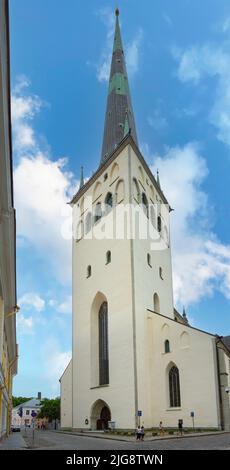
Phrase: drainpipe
x=218 y=339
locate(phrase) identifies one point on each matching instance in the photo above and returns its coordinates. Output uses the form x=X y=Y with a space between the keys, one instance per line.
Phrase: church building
x=135 y=359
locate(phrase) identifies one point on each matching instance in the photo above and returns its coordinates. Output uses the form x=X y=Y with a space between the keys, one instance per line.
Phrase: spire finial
x=117 y=13
x=81 y=178
x=158 y=178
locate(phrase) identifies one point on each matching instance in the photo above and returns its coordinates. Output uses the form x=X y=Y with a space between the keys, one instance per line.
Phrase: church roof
x=119 y=117
x=226 y=341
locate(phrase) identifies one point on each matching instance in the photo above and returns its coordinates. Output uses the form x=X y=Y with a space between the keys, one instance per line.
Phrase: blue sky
x=179 y=71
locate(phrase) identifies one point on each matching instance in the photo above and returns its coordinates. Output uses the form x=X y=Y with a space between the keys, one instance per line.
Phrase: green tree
x=18 y=400
x=50 y=409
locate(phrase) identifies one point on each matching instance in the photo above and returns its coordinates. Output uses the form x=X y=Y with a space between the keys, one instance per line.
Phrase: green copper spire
x=119 y=118
x=81 y=179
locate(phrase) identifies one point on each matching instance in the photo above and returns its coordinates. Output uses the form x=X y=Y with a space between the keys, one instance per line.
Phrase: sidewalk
x=117 y=437
x=14 y=442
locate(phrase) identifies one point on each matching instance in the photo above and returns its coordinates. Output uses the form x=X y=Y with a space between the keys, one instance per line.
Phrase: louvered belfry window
x=103 y=345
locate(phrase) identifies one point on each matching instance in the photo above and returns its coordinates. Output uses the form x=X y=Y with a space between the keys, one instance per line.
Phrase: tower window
x=89 y=271
x=105 y=176
x=156 y=303
x=149 y=260
x=88 y=222
x=103 y=345
x=108 y=202
x=159 y=223
x=108 y=257
x=144 y=201
x=167 y=346
x=161 y=273
x=98 y=212
x=174 y=387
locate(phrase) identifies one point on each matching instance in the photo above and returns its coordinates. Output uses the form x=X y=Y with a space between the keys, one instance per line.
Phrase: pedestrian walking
x=180 y=426
x=142 y=433
x=138 y=433
x=161 y=429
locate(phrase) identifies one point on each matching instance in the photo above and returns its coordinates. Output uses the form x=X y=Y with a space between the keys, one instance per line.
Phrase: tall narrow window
x=108 y=202
x=98 y=212
x=108 y=257
x=167 y=346
x=161 y=273
x=103 y=345
x=88 y=222
x=174 y=387
x=159 y=223
x=144 y=201
x=149 y=260
x=156 y=303
x=89 y=271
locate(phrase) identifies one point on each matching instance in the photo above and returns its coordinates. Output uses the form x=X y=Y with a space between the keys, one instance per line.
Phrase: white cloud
x=209 y=60
x=30 y=301
x=200 y=261
x=132 y=50
x=42 y=189
x=132 y=53
x=63 y=307
x=25 y=325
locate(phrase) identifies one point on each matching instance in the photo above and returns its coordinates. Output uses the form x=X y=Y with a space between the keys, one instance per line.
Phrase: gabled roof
x=33 y=403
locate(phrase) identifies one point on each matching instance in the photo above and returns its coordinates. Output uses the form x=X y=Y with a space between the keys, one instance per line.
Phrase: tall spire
x=119 y=118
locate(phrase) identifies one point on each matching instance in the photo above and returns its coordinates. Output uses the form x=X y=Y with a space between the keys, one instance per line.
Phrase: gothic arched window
x=103 y=345
x=145 y=205
x=108 y=202
x=98 y=212
x=167 y=346
x=156 y=303
x=159 y=223
x=88 y=222
x=174 y=387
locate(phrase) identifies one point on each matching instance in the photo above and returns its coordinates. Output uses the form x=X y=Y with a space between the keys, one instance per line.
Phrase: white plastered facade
x=138 y=324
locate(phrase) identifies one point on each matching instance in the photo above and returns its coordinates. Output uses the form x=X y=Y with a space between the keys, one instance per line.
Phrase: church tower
x=117 y=277
x=135 y=359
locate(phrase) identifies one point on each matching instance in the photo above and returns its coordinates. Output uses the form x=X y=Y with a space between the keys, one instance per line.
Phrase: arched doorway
x=100 y=415
x=105 y=417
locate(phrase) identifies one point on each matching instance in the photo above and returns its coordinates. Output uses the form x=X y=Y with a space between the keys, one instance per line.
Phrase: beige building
x=8 y=346
x=134 y=358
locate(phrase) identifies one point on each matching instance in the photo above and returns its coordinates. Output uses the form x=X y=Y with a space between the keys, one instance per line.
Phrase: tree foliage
x=18 y=400
x=50 y=408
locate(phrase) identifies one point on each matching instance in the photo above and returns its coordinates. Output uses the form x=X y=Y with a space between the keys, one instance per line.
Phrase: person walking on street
x=138 y=433
x=142 y=433
x=161 y=430
x=180 y=426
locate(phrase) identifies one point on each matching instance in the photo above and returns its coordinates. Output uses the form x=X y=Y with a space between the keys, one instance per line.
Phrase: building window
x=161 y=273
x=106 y=174
x=149 y=260
x=88 y=222
x=159 y=223
x=98 y=212
x=103 y=345
x=108 y=202
x=167 y=346
x=27 y=412
x=89 y=271
x=144 y=201
x=108 y=257
x=174 y=387
x=156 y=303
